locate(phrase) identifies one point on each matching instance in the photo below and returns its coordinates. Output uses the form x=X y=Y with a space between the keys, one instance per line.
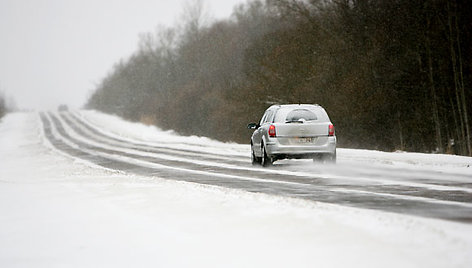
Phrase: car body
x=293 y=131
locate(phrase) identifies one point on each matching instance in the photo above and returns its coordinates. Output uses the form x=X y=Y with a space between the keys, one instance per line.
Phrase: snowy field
x=58 y=211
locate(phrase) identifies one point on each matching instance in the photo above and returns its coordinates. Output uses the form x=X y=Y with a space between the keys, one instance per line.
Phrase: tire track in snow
x=454 y=194
x=412 y=177
x=167 y=146
x=284 y=185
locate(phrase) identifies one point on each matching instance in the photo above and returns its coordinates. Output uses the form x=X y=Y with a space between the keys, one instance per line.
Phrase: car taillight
x=272 y=131
x=331 y=130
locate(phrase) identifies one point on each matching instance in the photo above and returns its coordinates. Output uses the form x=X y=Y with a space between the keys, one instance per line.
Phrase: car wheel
x=325 y=158
x=318 y=158
x=265 y=161
x=254 y=160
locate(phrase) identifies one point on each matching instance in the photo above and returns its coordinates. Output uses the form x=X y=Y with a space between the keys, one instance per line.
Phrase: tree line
x=7 y=104
x=392 y=74
x=3 y=105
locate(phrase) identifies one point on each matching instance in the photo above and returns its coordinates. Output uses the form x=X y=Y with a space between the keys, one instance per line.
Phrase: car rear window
x=301 y=115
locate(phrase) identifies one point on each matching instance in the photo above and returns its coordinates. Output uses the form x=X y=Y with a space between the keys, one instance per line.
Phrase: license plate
x=306 y=140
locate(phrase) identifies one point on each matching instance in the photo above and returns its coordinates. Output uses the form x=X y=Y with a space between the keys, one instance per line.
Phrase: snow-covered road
x=418 y=190
x=74 y=185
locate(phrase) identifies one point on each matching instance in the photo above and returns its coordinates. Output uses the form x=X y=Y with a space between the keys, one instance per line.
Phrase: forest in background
x=392 y=74
x=3 y=105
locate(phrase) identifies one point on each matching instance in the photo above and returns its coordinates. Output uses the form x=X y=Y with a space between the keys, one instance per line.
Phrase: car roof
x=294 y=106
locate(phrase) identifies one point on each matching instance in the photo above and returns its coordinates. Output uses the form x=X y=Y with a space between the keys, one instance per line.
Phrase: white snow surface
x=59 y=211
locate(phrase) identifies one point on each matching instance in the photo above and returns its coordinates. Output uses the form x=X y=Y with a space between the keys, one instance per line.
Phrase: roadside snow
x=126 y=130
x=117 y=127
x=57 y=211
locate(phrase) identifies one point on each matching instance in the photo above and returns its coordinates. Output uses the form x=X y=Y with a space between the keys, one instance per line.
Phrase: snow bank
x=58 y=211
x=115 y=126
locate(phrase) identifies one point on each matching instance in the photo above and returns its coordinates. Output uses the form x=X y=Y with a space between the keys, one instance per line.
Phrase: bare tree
x=195 y=17
x=3 y=105
x=393 y=74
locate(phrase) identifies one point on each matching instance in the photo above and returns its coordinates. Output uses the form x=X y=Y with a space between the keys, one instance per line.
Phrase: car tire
x=266 y=160
x=254 y=160
x=318 y=159
x=325 y=158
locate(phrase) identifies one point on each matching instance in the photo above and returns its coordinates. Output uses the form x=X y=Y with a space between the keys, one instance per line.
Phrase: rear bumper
x=276 y=150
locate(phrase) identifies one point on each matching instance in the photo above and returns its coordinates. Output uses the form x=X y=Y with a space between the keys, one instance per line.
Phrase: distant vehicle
x=63 y=108
x=293 y=131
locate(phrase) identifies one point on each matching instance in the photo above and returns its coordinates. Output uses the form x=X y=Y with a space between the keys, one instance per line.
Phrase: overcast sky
x=56 y=51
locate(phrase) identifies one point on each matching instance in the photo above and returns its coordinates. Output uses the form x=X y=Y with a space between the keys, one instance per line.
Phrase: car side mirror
x=253 y=126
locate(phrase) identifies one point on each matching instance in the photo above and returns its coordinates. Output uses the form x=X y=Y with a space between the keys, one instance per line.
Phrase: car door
x=265 y=123
x=257 y=136
x=262 y=130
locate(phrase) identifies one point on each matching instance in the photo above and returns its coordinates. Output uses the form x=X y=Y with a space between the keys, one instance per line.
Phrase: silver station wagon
x=293 y=131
